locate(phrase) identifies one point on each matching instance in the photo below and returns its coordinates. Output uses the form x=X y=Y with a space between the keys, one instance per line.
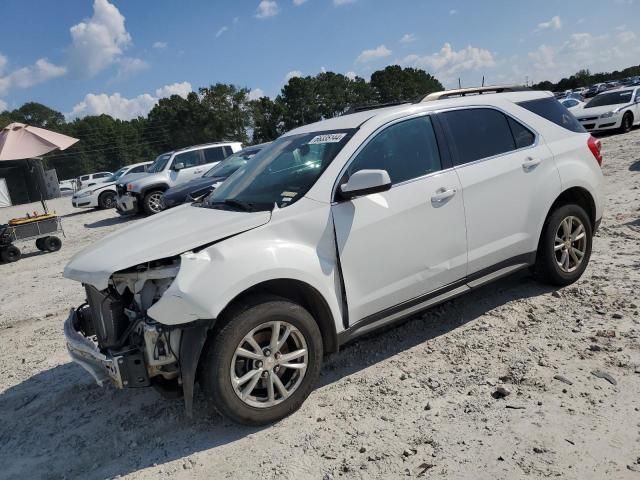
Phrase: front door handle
x=442 y=195
x=530 y=163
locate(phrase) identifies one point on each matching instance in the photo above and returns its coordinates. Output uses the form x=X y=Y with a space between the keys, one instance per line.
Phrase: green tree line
x=215 y=113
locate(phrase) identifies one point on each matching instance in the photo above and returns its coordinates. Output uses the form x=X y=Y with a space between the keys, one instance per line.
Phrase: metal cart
x=39 y=228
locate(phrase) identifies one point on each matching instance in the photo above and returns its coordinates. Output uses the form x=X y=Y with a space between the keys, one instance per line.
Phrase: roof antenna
x=483 y=80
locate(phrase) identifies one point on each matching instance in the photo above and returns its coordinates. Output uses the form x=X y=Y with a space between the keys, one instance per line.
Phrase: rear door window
x=552 y=110
x=138 y=169
x=214 y=154
x=478 y=133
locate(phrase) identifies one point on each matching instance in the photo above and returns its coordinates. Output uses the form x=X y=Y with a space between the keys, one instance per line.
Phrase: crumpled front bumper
x=85 y=353
x=127 y=204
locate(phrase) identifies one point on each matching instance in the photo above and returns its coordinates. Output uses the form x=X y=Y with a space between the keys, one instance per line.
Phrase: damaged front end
x=114 y=338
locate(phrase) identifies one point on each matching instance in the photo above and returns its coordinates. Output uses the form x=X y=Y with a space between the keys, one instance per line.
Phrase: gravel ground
x=514 y=380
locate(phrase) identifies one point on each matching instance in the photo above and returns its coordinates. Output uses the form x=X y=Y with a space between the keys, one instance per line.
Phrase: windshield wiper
x=237 y=204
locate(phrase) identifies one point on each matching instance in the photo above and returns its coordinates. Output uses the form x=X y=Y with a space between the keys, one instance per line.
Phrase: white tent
x=5 y=199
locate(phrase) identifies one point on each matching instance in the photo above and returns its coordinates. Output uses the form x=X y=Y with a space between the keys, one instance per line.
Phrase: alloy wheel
x=155 y=202
x=269 y=364
x=570 y=244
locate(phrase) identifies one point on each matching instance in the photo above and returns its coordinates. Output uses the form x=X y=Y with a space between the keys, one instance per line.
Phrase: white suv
x=335 y=229
x=142 y=193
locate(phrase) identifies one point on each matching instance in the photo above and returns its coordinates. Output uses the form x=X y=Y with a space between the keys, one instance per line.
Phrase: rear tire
x=107 y=200
x=279 y=385
x=52 y=244
x=10 y=254
x=40 y=243
x=627 y=123
x=152 y=202
x=565 y=246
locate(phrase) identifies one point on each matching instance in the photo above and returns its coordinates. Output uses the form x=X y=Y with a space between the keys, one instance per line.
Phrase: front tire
x=627 y=123
x=565 y=246
x=107 y=200
x=152 y=202
x=264 y=361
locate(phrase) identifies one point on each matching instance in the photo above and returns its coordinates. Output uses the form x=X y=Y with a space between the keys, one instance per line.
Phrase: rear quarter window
x=552 y=110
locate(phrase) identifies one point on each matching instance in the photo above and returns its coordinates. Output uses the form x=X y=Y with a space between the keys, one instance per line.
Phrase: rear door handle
x=442 y=195
x=530 y=163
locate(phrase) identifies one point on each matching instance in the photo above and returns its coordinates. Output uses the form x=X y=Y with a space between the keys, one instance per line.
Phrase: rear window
x=555 y=112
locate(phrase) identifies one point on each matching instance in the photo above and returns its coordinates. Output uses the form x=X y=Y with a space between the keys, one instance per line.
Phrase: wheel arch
x=580 y=196
x=301 y=293
x=163 y=187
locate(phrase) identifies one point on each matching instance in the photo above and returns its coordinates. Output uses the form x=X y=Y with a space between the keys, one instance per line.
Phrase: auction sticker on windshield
x=327 y=138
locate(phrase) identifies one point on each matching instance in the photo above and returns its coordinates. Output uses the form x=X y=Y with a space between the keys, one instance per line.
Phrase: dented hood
x=164 y=235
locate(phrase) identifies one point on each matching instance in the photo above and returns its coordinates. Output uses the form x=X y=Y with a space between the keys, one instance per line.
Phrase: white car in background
x=336 y=229
x=90 y=179
x=103 y=195
x=572 y=103
x=611 y=110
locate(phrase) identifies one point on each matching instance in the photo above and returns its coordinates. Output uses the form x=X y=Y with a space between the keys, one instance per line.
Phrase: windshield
x=611 y=98
x=229 y=165
x=159 y=163
x=281 y=173
x=117 y=175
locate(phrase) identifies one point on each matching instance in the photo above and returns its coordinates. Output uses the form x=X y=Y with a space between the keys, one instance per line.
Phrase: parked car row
x=336 y=229
x=142 y=193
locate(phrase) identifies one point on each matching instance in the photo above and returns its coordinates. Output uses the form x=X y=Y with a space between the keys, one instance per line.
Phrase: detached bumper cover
x=85 y=353
x=127 y=204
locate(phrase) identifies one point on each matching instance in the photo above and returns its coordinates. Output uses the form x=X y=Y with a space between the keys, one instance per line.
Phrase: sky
x=87 y=57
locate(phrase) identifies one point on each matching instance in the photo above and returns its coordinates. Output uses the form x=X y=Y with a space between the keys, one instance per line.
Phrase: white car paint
x=374 y=257
x=609 y=117
x=89 y=197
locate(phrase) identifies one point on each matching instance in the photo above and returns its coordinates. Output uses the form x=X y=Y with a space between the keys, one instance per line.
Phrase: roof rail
x=463 y=92
x=373 y=106
x=206 y=145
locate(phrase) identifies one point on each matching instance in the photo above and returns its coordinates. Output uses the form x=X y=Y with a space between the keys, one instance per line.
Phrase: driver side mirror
x=178 y=166
x=365 y=182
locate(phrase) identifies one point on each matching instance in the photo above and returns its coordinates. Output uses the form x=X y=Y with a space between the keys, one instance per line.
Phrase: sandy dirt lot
x=417 y=400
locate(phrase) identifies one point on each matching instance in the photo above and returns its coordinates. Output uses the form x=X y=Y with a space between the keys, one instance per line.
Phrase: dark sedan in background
x=209 y=181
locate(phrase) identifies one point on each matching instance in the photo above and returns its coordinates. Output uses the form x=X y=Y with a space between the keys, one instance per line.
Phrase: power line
x=116 y=147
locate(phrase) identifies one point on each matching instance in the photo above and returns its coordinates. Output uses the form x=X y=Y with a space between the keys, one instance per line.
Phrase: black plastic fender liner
x=193 y=339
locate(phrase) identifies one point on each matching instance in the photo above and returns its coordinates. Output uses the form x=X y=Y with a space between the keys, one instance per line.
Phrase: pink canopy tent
x=19 y=141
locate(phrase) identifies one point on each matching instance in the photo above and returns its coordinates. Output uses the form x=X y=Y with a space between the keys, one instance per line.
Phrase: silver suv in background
x=143 y=193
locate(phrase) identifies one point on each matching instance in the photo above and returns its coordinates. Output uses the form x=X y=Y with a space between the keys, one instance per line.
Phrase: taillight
x=595 y=145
